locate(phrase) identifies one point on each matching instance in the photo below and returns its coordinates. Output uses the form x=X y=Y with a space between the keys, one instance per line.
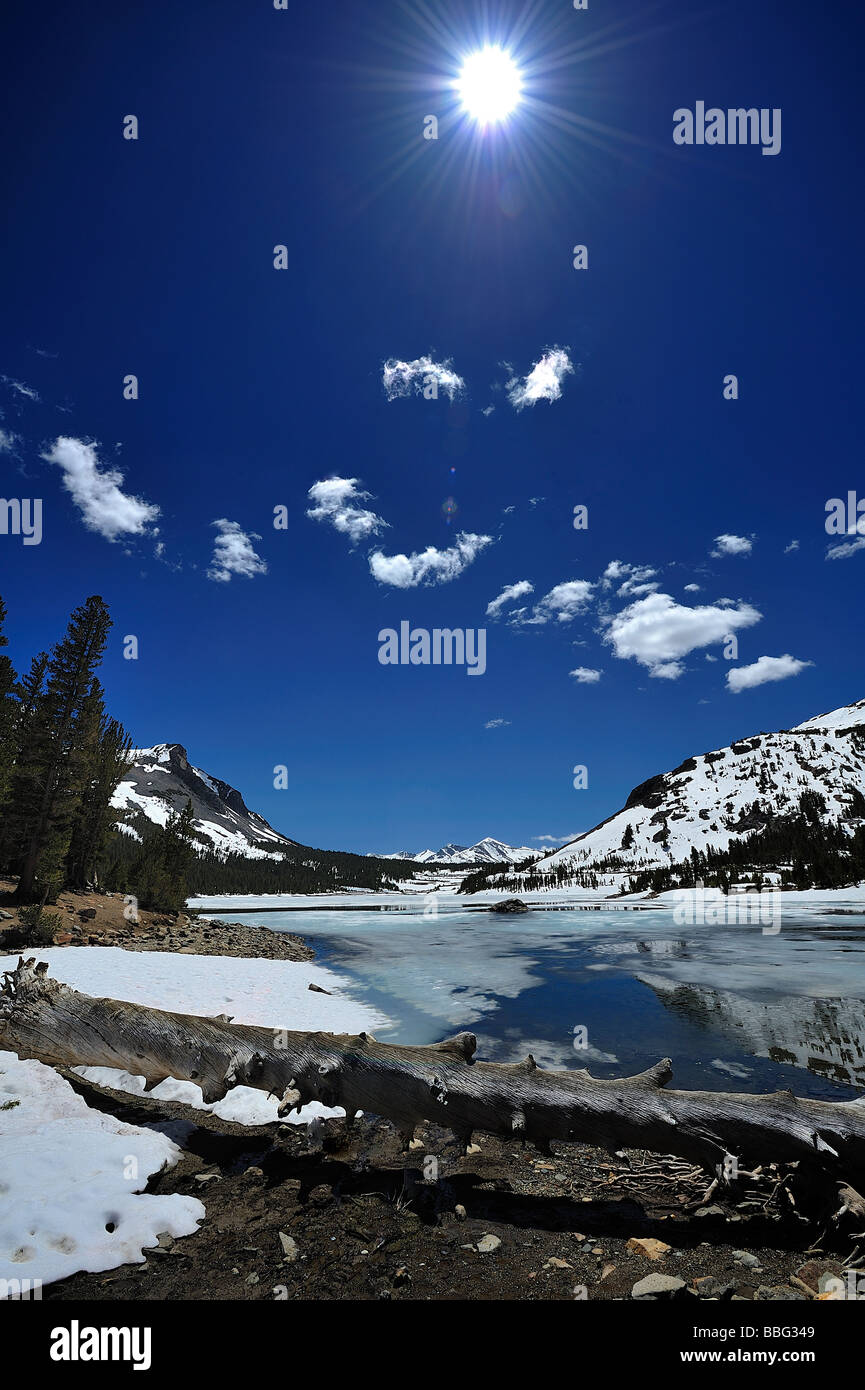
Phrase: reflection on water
x=723 y=1002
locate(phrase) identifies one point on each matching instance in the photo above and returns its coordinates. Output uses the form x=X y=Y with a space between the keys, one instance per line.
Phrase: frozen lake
x=736 y=1009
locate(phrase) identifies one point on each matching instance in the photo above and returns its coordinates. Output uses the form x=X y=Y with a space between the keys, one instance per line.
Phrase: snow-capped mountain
x=715 y=798
x=486 y=851
x=160 y=780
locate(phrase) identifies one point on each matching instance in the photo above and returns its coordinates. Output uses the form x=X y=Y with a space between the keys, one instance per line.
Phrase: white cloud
x=544 y=381
x=429 y=566
x=496 y=723
x=692 y=588
x=732 y=545
x=403 y=378
x=766 y=668
x=234 y=553
x=584 y=675
x=20 y=388
x=335 y=501
x=97 y=491
x=555 y=839
x=562 y=604
x=788 y=549
x=656 y=631
x=8 y=442
x=488 y=410
x=507 y=595
x=840 y=552
x=634 y=578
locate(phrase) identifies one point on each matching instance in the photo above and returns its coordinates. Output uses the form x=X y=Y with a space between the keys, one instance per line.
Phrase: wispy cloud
x=841 y=552
x=336 y=502
x=633 y=580
x=554 y=839
x=732 y=545
x=657 y=631
x=509 y=595
x=562 y=604
x=585 y=675
x=234 y=553
x=788 y=549
x=411 y=378
x=20 y=388
x=765 y=668
x=544 y=381
x=496 y=723
x=8 y=442
x=430 y=566
x=97 y=491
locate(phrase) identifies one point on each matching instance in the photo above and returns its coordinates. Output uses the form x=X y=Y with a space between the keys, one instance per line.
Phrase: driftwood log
x=43 y=1019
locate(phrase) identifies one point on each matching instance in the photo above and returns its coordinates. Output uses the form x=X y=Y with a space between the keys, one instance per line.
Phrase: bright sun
x=489 y=85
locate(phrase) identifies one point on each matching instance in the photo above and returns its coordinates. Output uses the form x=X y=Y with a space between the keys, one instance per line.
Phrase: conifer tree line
x=61 y=757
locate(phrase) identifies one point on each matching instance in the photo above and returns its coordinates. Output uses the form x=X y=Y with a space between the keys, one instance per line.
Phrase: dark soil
x=368 y=1224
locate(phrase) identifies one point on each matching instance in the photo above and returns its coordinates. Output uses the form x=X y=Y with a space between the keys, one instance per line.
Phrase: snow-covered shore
x=71 y=1177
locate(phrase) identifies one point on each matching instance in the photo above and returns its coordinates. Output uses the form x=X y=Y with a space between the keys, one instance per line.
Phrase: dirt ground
x=98 y=919
x=357 y=1219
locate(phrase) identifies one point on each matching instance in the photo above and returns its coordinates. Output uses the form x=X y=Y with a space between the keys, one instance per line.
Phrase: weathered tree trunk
x=43 y=1019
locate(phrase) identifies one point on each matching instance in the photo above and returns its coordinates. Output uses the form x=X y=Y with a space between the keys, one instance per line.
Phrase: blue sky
x=304 y=128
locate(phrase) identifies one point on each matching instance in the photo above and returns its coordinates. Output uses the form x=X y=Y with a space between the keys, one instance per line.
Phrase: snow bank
x=71 y=1181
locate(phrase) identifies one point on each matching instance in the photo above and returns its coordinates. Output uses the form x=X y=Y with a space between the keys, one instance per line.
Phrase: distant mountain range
x=161 y=780
x=716 y=798
x=486 y=851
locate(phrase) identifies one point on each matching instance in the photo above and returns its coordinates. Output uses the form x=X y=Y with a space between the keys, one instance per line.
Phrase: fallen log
x=44 y=1019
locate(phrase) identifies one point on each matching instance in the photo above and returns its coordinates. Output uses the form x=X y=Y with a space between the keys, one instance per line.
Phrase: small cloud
x=692 y=588
x=544 y=381
x=407 y=378
x=535 y=501
x=634 y=579
x=508 y=595
x=562 y=604
x=766 y=668
x=585 y=675
x=20 y=389
x=788 y=549
x=506 y=511
x=97 y=491
x=488 y=410
x=841 y=552
x=496 y=723
x=732 y=545
x=234 y=553
x=8 y=442
x=555 y=839
x=335 y=501
x=430 y=566
x=657 y=632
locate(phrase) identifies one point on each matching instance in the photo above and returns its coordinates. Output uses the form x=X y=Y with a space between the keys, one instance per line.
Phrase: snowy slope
x=709 y=799
x=486 y=851
x=161 y=779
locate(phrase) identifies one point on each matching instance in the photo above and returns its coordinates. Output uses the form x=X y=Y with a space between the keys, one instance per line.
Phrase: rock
x=554 y=1263
x=658 y=1286
x=778 y=1293
x=460 y=1212
x=318 y=989
x=744 y=1257
x=252 y=1279
x=289 y=1247
x=402 y=1276
x=509 y=905
x=718 y=1213
x=652 y=1249
x=253 y=1174
x=813 y=1271
x=606 y=1272
x=709 y=1287
x=487 y=1244
x=474 y=1149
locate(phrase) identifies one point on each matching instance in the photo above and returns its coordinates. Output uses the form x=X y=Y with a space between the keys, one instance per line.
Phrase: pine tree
x=7 y=711
x=107 y=745
x=51 y=774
